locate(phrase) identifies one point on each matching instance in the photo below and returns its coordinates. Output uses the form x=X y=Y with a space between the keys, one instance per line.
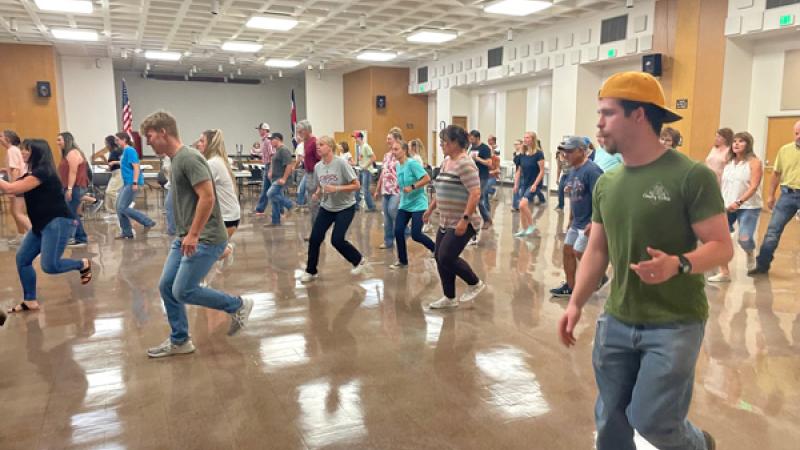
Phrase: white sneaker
x=427 y=228
x=308 y=277
x=469 y=295
x=360 y=268
x=444 y=303
x=239 y=318
x=167 y=348
x=751 y=260
x=398 y=265
x=384 y=246
x=719 y=278
x=474 y=240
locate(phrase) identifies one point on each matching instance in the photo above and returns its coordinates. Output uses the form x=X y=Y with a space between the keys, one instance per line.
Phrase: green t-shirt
x=655 y=206
x=190 y=168
x=407 y=175
x=364 y=155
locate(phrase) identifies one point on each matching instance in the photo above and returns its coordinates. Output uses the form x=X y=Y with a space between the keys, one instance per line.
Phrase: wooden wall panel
x=20 y=109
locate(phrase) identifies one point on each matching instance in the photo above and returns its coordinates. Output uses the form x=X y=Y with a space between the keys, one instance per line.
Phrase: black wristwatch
x=684 y=265
x=465 y=217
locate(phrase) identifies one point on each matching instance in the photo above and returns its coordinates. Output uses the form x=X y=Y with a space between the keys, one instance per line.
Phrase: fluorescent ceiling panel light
x=517 y=7
x=271 y=23
x=73 y=34
x=376 y=56
x=241 y=46
x=67 y=6
x=162 y=56
x=282 y=63
x=431 y=36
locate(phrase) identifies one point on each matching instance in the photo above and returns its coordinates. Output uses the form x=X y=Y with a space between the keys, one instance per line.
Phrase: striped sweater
x=453 y=184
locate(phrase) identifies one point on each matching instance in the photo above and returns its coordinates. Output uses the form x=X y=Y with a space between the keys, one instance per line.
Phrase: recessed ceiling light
x=68 y=6
x=376 y=56
x=517 y=7
x=74 y=34
x=431 y=36
x=282 y=63
x=241 y=46
x=162 y=56
x=275 y=23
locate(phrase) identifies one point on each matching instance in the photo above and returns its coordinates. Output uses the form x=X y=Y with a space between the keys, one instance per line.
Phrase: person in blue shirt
x=528 y=181
x=132 y=178
x=580 y=185
x=411 y=179
x=604 y=160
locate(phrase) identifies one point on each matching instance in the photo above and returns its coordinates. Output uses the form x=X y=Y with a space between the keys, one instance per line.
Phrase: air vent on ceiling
x=175 y=77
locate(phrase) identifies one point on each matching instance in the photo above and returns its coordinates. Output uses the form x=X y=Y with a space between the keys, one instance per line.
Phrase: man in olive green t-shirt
x=365 y=158
x=787 y=175
x=200 y=242
x=647 y=218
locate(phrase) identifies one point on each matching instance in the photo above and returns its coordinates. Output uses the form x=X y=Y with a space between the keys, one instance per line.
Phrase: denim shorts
x=577 y=239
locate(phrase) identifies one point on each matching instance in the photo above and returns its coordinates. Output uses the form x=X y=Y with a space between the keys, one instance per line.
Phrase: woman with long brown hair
x=212 y=145
x=74 y=173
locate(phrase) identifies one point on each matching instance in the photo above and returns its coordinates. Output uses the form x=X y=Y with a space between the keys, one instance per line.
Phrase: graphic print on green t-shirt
x=655 y=206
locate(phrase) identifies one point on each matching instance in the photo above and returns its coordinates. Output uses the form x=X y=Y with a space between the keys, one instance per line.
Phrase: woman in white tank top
x=741 y=191
x=212 y=145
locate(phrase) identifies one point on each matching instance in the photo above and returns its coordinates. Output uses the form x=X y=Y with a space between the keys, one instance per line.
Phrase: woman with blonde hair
x=415 y=149
x=212 y=145
x=527 y=181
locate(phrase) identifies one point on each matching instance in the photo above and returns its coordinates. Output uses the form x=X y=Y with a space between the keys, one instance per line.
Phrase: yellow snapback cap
x=638 y=87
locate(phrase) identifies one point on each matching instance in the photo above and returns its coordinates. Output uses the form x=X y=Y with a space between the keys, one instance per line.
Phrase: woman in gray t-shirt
x=337 y=184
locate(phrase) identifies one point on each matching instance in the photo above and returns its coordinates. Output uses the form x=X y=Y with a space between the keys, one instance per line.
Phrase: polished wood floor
x=358 y=362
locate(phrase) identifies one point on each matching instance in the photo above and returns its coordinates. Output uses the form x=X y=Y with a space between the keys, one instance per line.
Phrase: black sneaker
x=561 y=291
x=757 y=270
x=72 y=243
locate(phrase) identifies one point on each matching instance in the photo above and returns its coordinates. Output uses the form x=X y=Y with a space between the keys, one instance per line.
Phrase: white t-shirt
x=735 y=182
x=226 y=194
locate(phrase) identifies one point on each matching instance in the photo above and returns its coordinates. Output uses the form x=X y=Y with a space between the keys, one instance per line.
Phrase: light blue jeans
x=125 y=213
x=748 y=220
x=262 y=197
x=279 y=201
x=180 y=285
x=301 y=191
x=50 y=244
x=390 y=205
x=79 y=234
x=365 y=178
x=170 y=213
x=644 y=376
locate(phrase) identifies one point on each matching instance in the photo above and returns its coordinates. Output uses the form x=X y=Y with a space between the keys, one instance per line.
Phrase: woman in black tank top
x=51 y=220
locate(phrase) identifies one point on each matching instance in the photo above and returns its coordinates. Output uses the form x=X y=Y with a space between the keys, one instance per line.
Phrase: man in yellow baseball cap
x=647 y=218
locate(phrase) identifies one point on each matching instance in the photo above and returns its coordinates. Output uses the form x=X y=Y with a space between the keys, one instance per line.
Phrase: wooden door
x=460 y=121
x=780 y=131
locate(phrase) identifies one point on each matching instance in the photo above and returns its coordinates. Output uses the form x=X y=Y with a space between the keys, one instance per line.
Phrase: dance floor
x=358 y=362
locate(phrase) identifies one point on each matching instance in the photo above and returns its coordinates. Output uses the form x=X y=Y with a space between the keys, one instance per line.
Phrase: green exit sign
x=786 y=20
x=422 y=88
x=612 y=53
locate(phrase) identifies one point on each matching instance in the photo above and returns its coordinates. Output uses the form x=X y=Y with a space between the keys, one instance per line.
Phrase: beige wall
x=790 y=96
x=516 y=117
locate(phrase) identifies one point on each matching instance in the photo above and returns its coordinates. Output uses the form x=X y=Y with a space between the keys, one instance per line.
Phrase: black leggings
x=400 y=224
x=341 y=222
x=449 y=261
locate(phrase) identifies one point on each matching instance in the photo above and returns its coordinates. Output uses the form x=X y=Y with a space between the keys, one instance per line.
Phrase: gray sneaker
x=167 y=348
x=239 y=318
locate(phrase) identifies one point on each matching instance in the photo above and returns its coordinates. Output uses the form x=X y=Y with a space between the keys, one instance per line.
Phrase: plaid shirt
x=267 y=152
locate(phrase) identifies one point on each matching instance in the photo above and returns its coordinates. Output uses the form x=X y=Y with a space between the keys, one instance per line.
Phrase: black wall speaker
x=43 y=88
x=652 y=64
x=380 y=101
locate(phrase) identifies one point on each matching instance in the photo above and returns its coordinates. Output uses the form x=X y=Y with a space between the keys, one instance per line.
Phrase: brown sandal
x=22 y=307
x=86 y=274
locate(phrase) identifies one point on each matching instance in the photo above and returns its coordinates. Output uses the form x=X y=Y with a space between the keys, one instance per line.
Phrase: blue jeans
x=125 y=213
x=262 y=198
x=180 y=285
x=644 y=376
x=748 y=220
x=400 y=224
x=79 y=234
x=365 y=177
x=279 y=201
x=390 y=205
x=515 y=198
x=785 y=209
x=483 y=204
x=525 y=192
x=562 y=184
x=301 y=191
x=50 y=244
x=168 y=207
x=491 y=188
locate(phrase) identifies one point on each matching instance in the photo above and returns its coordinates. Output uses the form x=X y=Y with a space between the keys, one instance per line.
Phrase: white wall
x=235 y=109
x=325 y=103
x=86 y=100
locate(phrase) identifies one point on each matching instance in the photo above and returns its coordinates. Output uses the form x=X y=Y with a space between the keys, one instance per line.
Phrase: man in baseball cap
x=647 y=219
x=266 y=157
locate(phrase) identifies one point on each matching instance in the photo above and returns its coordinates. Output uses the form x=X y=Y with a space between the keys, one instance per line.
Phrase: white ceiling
x=328 y=30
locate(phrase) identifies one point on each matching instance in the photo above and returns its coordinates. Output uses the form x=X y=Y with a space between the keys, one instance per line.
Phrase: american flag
x=293 y=119
x=127 y=116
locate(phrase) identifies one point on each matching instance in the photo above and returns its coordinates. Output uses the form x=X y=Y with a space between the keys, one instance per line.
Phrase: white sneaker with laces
x=308 y=277
x=398 y=265
x=239 y=318
x=719 y=278
x=444 y=303
x=360 y=268
x=469 y=295
x=167 y=348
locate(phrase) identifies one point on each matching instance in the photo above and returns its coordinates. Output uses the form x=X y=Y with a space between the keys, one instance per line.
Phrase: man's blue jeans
x=50 y=244
x=125 y=213
x=301 y=191
x=785 y=209
x=644 y=376
x=390 y=205
x=562 y=184
x=79 y=234
x=262 y=198
x=279 y=201
x=170 y=213
x=365 y=178
x=483 y=204
x=180 y=285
